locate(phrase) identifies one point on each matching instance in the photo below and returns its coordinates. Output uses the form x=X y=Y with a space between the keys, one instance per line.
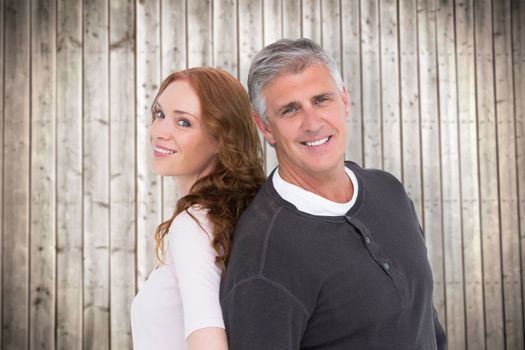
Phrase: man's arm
x=441 y=338
x=260 y=314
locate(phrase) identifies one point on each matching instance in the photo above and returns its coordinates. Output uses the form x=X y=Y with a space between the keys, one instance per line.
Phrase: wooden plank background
x=437 y=92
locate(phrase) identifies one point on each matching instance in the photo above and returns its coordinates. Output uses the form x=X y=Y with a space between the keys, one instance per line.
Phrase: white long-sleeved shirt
x=182 y=295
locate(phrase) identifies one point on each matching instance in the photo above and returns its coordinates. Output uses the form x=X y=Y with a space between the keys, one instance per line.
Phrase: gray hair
x=285 y=56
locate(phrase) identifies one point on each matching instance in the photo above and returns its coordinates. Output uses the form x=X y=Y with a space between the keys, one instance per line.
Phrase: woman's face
x=182 y=147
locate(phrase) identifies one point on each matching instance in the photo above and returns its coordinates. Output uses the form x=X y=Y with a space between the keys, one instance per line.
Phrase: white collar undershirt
x=312 y=203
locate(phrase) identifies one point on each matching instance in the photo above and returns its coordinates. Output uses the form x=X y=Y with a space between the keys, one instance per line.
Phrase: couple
x=326 y=255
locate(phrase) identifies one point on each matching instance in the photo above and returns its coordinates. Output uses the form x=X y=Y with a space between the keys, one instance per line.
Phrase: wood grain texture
x=199 y=33
x=450 y=175
x=371 y=85
x=330 y=30
x=488 y=176
x=351 y=74
x=43 y=177
x=224 y=30
x=518 y=59
x=430 y=149
x=69 y=175
x=273 y=31
x=291 y=10
x=2 y=60
x=250 y=35
x=16 y=167
x=122 y=170
x=311 y=20
x=411 y=124
x=390 y=94
x=508 y=191
x=96 y=175
x=173 y=46
x=470 y=201
x=149 y=185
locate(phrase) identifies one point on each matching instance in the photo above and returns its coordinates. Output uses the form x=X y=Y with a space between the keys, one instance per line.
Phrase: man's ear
x=264 y=127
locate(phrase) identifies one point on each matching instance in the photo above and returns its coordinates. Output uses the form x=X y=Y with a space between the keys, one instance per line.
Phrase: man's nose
x=312 y=120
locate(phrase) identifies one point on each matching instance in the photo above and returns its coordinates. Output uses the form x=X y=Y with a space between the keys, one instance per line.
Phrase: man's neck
x=335 y=186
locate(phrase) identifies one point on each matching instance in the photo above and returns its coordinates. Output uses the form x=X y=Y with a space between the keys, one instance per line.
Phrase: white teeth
x=317 y=143
x=163 y=151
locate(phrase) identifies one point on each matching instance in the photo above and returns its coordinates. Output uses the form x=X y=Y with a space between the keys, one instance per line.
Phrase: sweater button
x=386 y=266
x=367 y=240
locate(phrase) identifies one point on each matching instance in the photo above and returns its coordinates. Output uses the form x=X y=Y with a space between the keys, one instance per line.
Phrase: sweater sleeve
x=261 y=314
x=195 y=269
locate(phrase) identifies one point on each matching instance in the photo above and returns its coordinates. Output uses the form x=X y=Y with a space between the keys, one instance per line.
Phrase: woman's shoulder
x=191 y=224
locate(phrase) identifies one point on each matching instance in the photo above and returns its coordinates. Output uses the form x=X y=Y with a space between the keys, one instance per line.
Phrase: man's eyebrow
x=286 y=106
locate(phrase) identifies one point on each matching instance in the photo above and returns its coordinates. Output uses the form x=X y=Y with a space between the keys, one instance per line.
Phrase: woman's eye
x=184 y=123
x=158 y=115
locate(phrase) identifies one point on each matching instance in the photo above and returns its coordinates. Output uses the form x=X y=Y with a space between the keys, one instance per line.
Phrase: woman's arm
x=211 y=338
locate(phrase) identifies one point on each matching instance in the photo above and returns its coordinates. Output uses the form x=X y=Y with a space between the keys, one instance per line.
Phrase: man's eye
x=184 y=123
x=321 y=99
x=289 y=110
x=158 y=115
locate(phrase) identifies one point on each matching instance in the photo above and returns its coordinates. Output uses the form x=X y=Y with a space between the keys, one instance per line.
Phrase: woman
x=203 y=134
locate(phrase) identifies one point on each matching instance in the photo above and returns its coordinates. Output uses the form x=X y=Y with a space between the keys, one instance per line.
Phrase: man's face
x=306 y=121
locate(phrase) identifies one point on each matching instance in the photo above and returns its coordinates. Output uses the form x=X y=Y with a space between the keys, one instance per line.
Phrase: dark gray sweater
x=360 y=281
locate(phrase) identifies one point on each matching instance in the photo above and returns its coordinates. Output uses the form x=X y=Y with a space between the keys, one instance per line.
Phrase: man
x=328 y=255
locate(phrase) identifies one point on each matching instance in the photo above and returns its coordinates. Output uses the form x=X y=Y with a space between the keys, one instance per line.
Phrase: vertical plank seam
x=108 y=189
x=361 y=104
x=421 y=178
x=400 y=94
x=520 y=228
x=460 y=171
x=380 y=63
x=482 y=267
x=3 y=176
x=238 y=44
x=438 y=127
x=81 y=152
x=56 y=187
x=28 y=233
x=498 y=182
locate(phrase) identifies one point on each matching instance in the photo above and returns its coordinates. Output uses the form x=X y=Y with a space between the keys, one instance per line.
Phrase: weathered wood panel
x=311 y=20
x=450 y=174
x=69 y=175
x=2 y=59
x=470 y=201
x=199 y=19
x=430 y=148
x=518 y=59
x=43 y=177
x=273 y=31
x=488 y=176
x=291 y=19
x=371 y=84
x=330 y=30
x=16 y=167
x=508 y=191
x=224 y=29
x=122 y=164
x=390 y=94
x=435 y=84
x=411 y=125
x=250 y=35
x=351 y=73
x=149 y=189
x=96 y=175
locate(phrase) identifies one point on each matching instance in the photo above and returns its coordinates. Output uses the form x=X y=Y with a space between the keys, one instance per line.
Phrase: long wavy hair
x=238 y=173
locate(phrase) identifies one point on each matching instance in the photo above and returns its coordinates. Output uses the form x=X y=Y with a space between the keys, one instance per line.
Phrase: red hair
x=238 y=173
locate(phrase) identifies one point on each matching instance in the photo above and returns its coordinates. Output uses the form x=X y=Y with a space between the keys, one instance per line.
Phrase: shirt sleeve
x=195 y=269
x=260 y=314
